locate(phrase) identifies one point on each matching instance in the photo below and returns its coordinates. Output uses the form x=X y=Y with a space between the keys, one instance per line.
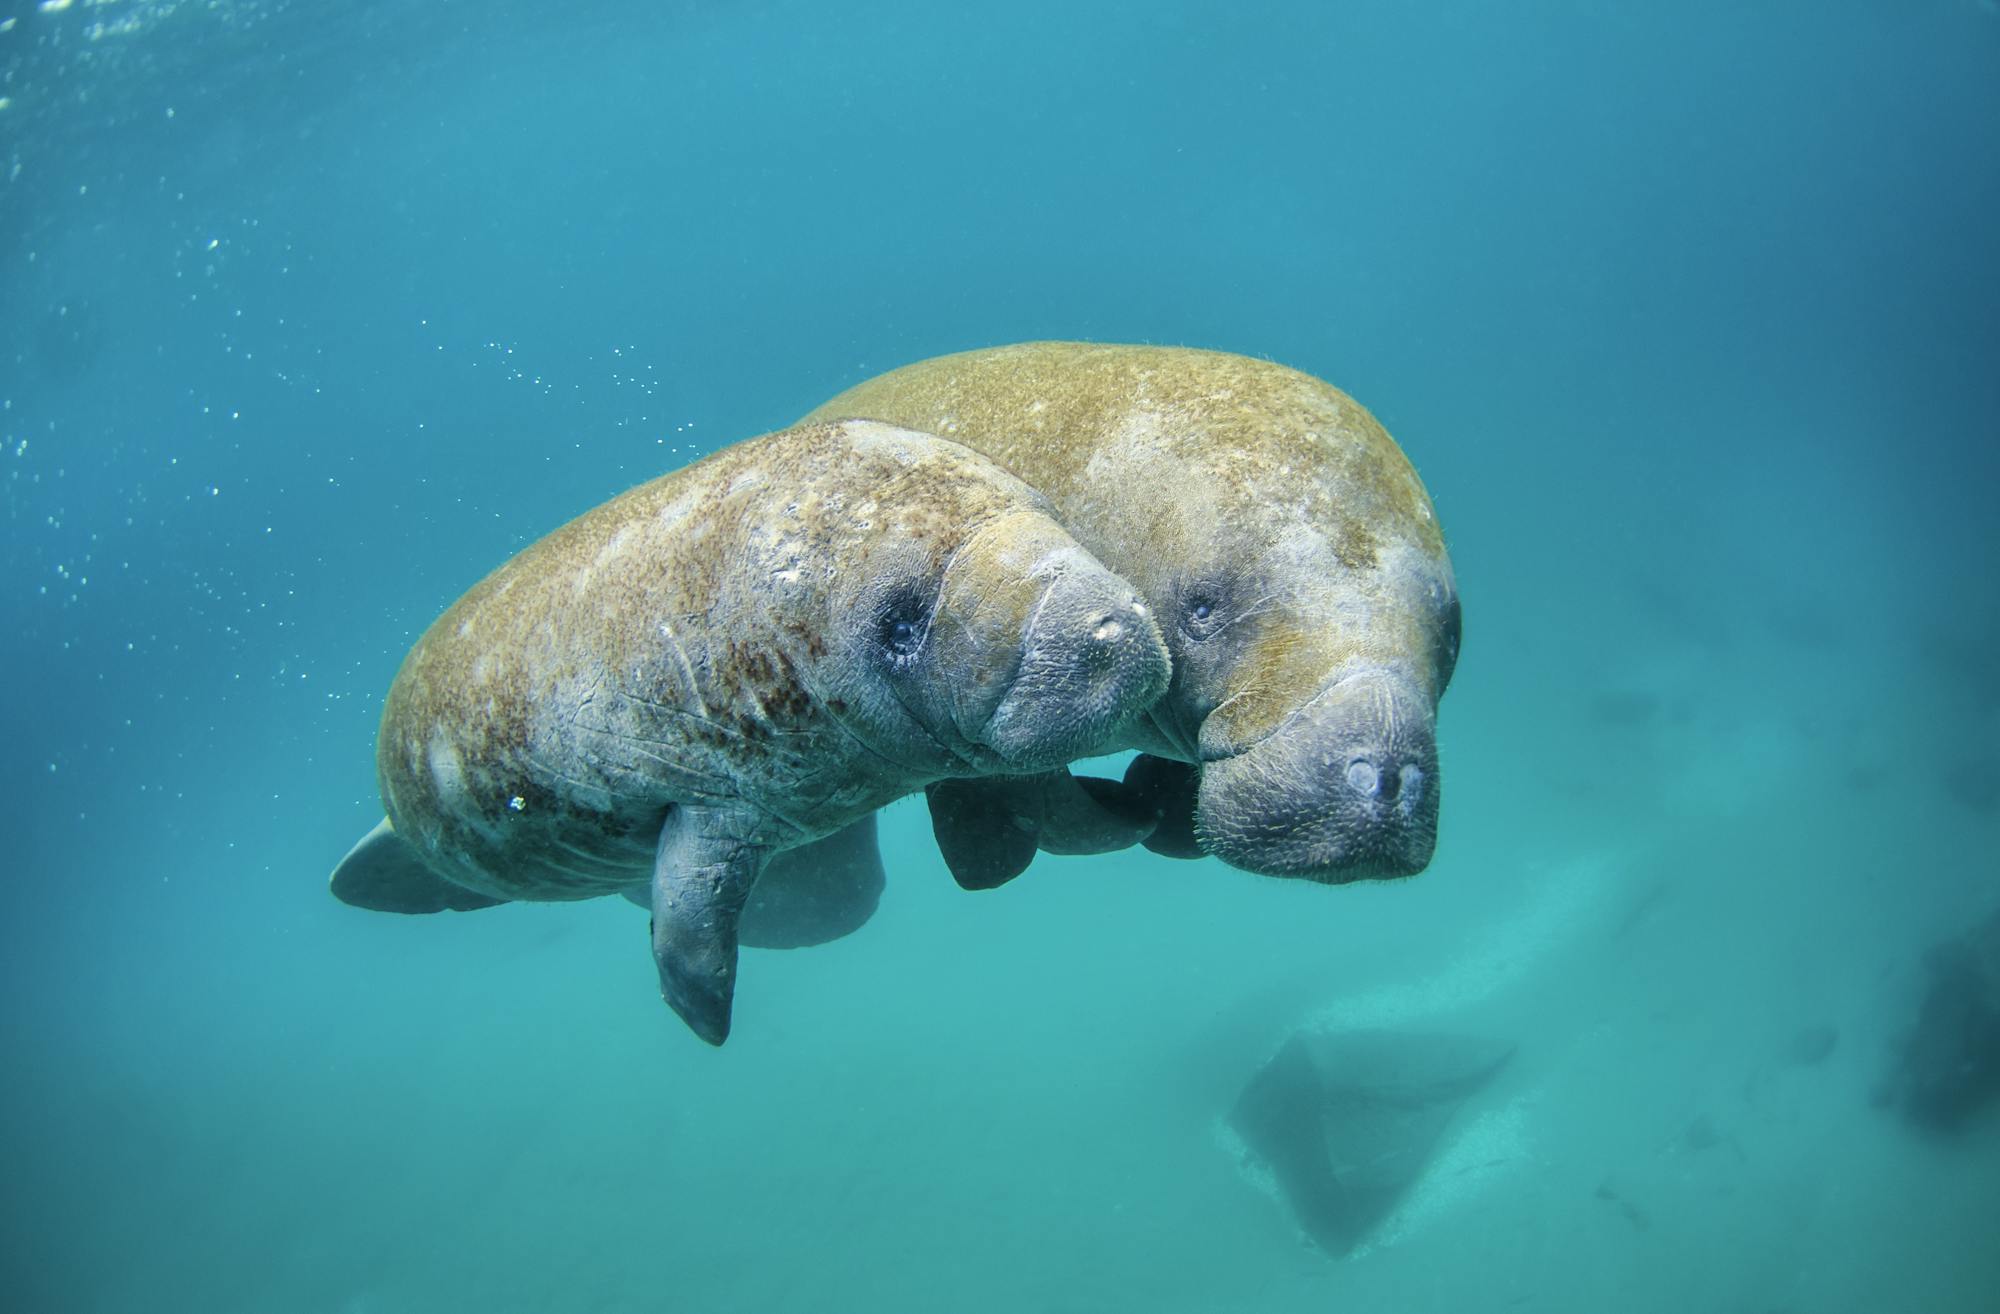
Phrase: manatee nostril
x=1108 y=630
x=1362 y=777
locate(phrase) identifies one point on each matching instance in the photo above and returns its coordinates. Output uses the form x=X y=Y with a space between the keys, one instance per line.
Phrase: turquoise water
x=1688 y=315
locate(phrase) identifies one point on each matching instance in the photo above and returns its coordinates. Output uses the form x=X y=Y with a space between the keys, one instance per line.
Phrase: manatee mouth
x=1346 y=789
x=1091 y=660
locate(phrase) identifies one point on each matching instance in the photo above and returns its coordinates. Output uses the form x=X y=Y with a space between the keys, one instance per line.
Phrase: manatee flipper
x=702 y=877
x=989 y=830
x=1168 y=789
x=809 y=895
x=816 y=892
x=384 y=874
x=1088 y=814
x=982 y=841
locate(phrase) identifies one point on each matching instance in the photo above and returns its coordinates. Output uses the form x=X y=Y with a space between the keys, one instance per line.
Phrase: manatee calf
x=1295 y=565
x=745 y=657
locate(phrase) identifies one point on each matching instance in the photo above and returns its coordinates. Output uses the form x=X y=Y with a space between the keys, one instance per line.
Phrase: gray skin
x=1297 y=569
x=737 y=660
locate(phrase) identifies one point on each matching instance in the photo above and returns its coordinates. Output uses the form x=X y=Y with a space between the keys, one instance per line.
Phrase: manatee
x=739 y=660
x=1347 y=1121
x=1294 y=562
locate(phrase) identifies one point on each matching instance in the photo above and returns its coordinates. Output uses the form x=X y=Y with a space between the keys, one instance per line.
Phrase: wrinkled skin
x=743 y=658
x=1292 y=557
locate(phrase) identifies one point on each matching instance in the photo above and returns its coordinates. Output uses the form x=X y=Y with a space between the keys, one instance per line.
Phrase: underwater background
x=1688 y=315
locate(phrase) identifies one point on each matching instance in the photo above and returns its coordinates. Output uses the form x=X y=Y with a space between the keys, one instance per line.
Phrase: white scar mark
x=656 y=752
x=687 y=667
x=702 y=717
x=447 y=770
x=763 y=716
x=1028 y=631
x=1257 y=607
x=593 y=793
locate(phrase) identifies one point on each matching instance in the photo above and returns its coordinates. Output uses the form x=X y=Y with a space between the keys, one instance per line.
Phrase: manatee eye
x=899 y=628
x=1199 y=615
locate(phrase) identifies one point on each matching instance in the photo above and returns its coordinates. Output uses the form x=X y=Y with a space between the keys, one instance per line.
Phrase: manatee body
x=744 y=658
x=1296 y=567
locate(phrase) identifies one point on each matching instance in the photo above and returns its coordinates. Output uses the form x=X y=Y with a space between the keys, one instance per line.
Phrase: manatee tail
x=384 y=873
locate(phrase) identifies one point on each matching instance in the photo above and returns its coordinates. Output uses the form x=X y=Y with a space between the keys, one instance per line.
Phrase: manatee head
x=968 y=630
x=1345 y=787
x=1310 y=650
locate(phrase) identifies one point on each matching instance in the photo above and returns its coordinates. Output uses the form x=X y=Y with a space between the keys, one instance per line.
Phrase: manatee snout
x=1345 y=789
x=1091 y=659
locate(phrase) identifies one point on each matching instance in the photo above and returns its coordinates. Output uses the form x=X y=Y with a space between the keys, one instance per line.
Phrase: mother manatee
x=1294 y=562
